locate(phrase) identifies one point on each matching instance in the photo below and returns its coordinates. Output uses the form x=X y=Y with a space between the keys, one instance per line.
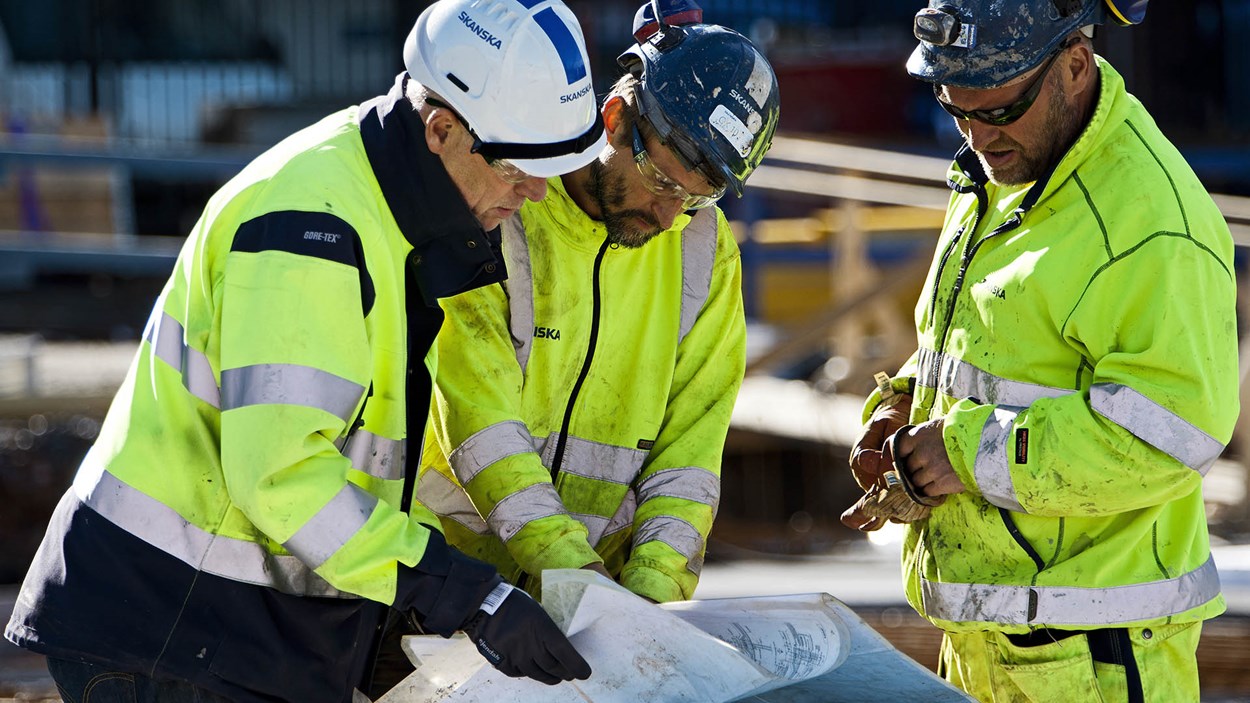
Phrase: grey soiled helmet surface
x=985 y=43
x=710 y=95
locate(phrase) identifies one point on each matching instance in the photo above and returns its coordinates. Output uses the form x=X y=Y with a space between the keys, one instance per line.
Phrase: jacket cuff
x=961 y=433
x=903 y=385
x=651 y=583
x=445 y=588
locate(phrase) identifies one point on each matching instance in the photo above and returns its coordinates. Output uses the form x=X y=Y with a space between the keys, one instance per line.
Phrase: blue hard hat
x=710 y=95
x=672 y=11
x=985 y=43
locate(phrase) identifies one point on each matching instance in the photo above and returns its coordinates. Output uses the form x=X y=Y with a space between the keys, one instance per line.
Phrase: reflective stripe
x=690 y=482
x=698 y=256
x=596 y=526
x=167 y=337
x=603 y=462
x=379 y=457
x=523 y=507
x=676 y=533
x=959 y=379
x=162 y=527
x=1156 y=425
x=447 y=500
x=337 y=522
x=624 y=517
x=489 y=445
x=520 y=288
x=289 y=384
x=1067 y=605
x=991 y=468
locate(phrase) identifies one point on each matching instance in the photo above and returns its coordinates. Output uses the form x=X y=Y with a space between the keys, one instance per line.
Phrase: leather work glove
x=894 y=498
x=448 y=591
x=868 y=461
x=515 y=635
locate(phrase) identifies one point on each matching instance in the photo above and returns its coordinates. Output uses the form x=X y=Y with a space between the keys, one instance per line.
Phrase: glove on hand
x=448 y=591
x=868 y=460
x=892 y=497
x=516 y=635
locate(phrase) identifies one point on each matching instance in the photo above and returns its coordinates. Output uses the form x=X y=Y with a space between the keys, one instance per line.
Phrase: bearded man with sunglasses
x=1076 y=374
x=244 y=524
x=586 y=428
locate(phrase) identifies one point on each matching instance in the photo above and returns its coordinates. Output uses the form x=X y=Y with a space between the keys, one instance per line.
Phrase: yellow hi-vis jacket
x=586 y=411
x=238 y=524
x=1079 y=338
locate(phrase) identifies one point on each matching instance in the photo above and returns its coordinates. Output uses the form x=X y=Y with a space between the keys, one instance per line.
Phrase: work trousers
x=1116 y=665
x=78 y=682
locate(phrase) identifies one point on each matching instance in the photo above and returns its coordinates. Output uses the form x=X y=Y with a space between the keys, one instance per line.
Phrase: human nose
x=533 y=188
x=666 y=210
x=979 y=134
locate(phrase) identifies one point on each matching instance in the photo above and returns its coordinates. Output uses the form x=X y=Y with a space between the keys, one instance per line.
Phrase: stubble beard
x=609 y=192
x=1057 y=134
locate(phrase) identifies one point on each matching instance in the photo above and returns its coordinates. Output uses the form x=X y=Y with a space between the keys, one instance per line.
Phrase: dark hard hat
x=985 y=43
x=711 y=96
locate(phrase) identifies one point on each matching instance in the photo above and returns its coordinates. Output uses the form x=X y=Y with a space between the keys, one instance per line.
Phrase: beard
x=1055 y=136
x=609 y=191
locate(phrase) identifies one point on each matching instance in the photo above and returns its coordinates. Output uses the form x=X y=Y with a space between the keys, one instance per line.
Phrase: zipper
x=597 y=298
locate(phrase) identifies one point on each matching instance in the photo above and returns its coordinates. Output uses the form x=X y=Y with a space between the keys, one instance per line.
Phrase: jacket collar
x=451 y=253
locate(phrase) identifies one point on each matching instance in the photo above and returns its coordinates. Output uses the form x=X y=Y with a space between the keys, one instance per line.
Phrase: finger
x=569 y=663
x=867 y=467
x=854 y=518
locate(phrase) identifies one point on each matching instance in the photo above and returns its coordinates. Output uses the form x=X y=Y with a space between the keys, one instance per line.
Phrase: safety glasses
x=506 y=170
x=1005 y=115
x=659 y=184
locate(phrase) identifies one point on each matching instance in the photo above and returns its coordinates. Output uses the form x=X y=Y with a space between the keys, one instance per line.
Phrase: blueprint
x=783 y=649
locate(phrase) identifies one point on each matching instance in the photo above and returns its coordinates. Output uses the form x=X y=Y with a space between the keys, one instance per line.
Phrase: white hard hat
x=518 y=73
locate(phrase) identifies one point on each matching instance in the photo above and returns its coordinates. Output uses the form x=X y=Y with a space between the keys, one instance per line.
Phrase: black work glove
x=448 y=591
x=519 y=639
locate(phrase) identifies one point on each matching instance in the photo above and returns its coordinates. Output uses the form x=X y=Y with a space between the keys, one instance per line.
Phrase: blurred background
x=119 y=118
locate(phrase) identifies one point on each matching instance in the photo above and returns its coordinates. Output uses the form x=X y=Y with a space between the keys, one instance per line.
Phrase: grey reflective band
x=691 y=483
x=520 y=288
x=624 y=517
x=519 y=509
x=602 y=462
x=167 y=337
x=959 y=379
x=331 y=527
x=447 y=500
x=1070 y=605
x=160 y=526
x=379 y=457
x=698 y=256
x=596 y=526
x=992 y=468
x=1156 y=425
x=489 y=445
x=676 y=533
x=289 y=384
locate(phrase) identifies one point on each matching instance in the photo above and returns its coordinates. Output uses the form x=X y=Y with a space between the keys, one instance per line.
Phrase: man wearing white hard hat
x=245 y=521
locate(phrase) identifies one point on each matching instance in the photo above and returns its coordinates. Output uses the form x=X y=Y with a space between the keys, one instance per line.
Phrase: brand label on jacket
x=546 y=333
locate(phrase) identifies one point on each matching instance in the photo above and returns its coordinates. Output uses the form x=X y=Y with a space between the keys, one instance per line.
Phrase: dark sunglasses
x=1005 y=115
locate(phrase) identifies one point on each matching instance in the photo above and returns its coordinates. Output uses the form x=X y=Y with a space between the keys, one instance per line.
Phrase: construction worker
x=1076 y=374
x=243 y=524
x=583 y=425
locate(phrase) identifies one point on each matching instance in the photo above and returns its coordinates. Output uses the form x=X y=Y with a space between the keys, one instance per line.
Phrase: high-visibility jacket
x=586 y=411
x=1078 y=337
x=238 y=522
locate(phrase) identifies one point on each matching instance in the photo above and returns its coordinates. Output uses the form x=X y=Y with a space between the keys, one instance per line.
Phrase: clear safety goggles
x=660 y=184
x=505 y=169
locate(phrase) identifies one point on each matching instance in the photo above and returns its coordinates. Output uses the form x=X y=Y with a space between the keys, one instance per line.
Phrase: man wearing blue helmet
x=1075 y=375
x=588 y=428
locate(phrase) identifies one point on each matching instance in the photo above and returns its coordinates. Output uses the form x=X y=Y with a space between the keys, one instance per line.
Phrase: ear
x=439 y=130
x=613 y=115
x=1081 y=71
